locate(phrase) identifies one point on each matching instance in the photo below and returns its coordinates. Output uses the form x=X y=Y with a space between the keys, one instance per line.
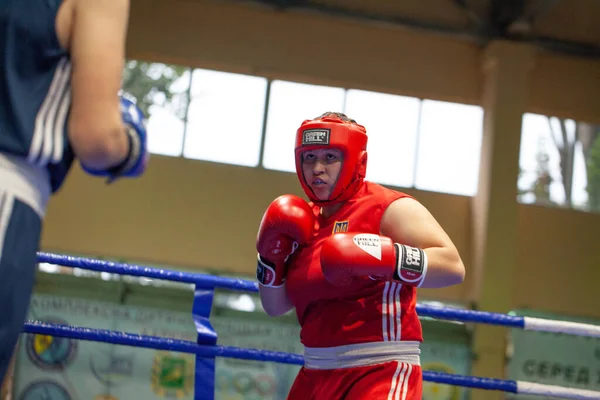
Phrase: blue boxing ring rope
x=205 y=348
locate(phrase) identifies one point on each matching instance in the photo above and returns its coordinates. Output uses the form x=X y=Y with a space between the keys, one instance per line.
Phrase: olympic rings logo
x=245 y=383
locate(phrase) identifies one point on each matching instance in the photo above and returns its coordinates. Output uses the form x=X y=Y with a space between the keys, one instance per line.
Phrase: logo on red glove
x=369 y=243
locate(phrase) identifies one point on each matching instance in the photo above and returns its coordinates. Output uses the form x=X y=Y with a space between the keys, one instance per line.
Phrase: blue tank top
x=35 y=95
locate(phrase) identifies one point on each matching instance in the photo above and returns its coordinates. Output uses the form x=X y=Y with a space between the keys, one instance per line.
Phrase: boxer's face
x=321 y=168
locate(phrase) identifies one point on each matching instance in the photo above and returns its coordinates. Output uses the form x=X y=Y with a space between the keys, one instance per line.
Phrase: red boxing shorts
x=391 y=380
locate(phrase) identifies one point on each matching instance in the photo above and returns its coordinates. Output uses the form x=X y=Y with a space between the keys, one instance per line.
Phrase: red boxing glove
x=346 y=255
x=287 y=223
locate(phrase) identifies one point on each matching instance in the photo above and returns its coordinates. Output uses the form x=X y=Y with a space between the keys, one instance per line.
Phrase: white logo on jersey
x=369 y=243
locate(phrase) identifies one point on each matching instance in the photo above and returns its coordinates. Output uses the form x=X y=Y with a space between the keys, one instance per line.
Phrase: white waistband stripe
x=363 y=354
x=28 y=183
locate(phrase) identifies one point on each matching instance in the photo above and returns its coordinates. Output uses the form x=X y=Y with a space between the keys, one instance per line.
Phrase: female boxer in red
x=349 y=262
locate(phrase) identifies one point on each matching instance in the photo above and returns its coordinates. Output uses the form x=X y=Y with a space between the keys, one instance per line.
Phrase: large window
x=428 y=144
x=220 y=117
x=225 y=117
x=449 y=147
x=559 y=163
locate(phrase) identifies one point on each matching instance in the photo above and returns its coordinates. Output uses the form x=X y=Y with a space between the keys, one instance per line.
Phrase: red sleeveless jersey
x=364 y=311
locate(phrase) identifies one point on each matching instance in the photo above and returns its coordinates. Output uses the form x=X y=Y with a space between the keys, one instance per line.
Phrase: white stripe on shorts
x=399 y=384
x=397 y=379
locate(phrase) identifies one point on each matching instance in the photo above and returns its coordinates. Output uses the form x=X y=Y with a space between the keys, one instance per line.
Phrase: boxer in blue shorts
x=62 y=62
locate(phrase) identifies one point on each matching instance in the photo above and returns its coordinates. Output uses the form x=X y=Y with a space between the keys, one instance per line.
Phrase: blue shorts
x=20 y=229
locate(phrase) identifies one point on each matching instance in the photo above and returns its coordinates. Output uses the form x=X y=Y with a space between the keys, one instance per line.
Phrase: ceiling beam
x=501 y=13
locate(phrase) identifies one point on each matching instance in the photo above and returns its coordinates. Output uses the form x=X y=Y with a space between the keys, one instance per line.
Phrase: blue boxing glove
x=137 y=157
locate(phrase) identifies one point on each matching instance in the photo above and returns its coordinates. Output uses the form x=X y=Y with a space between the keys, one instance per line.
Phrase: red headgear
x=332 y=131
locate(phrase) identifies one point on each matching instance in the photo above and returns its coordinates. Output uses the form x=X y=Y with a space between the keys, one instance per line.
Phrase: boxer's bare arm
x=408 y=222
x=275 y=300
x=94 y=34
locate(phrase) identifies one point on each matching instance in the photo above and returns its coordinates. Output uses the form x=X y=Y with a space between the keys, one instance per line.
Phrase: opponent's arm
x=108 y=134
x=97 y=48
